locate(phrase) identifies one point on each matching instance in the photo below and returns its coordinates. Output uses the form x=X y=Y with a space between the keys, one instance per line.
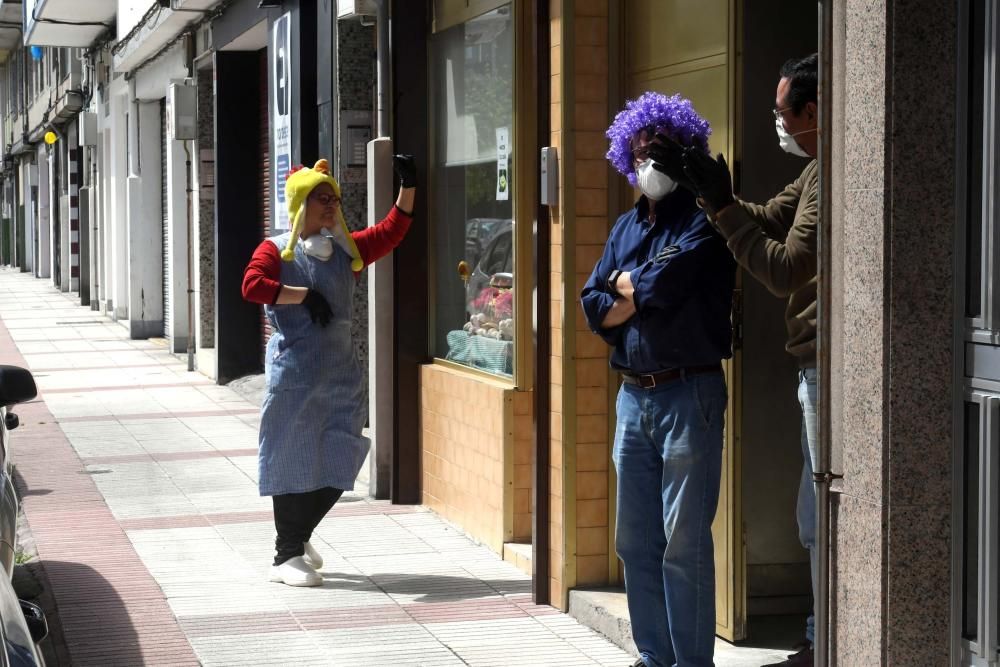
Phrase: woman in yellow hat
x=314 y=408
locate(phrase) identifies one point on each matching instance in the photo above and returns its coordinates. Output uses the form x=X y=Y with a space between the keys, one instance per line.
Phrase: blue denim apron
x=315 y=404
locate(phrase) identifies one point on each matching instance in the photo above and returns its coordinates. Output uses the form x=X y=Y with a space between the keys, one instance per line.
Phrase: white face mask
x=319 y=245
x=787 y=141
x=653 y=183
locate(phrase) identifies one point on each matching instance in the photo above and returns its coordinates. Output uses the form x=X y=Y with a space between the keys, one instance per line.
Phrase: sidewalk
x=139 y=484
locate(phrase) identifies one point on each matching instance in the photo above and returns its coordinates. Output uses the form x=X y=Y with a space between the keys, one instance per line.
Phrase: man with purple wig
x=661 y=297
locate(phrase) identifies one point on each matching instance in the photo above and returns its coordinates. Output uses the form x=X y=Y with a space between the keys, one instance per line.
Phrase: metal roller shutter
x=264 y=180
x=164 y=144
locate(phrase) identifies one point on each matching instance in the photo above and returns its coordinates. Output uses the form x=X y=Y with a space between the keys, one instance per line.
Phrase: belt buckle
x=652 y=380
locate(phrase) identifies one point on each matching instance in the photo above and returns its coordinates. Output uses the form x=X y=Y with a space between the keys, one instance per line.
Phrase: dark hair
x=801 y=75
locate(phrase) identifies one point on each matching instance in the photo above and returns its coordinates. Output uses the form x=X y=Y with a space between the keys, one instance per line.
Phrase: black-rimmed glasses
x=326 y=200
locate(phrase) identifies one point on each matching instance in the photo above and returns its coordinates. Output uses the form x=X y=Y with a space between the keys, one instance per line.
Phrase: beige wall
x=580 y=450
x=476 y=453
x=592 y=224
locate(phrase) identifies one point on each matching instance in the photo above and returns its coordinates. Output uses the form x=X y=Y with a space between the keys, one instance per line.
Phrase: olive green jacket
x=776 y=244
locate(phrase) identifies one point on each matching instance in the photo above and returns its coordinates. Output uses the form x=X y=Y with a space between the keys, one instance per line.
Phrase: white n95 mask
x=653 y=183
x=319 y=246
x=787 y=141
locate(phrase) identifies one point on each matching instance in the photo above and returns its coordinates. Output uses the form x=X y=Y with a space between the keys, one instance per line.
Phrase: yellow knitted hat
x=300 y=183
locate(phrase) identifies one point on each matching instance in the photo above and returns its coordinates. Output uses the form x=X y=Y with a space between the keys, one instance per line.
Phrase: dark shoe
x=802 y=645
x=803 y=658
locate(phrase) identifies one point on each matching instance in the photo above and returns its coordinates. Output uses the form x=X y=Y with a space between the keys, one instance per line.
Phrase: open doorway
x=241 y=191
x=778 y=585
x=726 y=59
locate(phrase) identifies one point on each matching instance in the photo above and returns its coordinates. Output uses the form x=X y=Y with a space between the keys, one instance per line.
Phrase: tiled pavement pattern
x=139 y=484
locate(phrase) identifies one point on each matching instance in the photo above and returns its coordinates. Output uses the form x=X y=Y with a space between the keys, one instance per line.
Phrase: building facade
x=150 y=222
x=516 y=419
x=172 y=125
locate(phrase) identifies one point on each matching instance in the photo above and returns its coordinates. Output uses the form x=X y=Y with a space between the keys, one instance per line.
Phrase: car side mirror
x=11 y=421
x=34 y=618
x=16 y=385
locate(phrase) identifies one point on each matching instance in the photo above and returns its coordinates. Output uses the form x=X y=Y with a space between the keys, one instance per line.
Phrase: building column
x=178 y=242
x=43 y=235
x=204 y=225
x=60 y=200
x=117 y=249
x=71 y=280
x=145 y=232
x=29 y=181
x=892 y=386
x=56 y=216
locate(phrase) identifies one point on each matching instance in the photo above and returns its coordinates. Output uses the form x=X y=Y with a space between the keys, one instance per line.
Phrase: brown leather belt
x=650 y=380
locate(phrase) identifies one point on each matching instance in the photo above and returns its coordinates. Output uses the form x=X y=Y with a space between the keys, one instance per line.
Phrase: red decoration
x=496 y=303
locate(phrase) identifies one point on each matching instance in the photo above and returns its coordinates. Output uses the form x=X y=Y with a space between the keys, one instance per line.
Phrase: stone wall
x=893 y=224
x=206 y=208
x=355 y=91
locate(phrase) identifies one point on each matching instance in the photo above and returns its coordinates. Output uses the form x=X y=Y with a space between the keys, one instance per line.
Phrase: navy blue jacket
x=683 y=303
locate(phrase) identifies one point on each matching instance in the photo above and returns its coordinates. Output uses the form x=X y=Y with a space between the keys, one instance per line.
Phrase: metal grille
x=164 y=144
x=976 y=562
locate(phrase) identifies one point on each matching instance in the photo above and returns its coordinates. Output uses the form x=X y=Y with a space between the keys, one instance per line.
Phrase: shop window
x=473 y=233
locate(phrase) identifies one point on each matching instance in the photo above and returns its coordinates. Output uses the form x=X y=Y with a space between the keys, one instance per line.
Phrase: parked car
x=22 y=624
x=495 y=266
x=478 y=233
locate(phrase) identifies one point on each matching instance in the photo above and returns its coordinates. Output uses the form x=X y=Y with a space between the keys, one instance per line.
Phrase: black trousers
x=296 y=516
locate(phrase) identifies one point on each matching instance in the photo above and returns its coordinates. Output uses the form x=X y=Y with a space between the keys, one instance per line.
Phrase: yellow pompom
x=288 y=254
x=357 y=265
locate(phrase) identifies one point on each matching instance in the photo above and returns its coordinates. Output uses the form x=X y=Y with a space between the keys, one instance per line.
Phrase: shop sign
x=503 y=178
x=282 y=115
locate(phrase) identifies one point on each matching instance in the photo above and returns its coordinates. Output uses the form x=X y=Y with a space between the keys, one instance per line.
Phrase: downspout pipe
x=823 y=476
x=382 y=57
x=381 y=281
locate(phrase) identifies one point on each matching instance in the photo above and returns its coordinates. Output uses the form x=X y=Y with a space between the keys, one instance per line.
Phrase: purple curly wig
x=674 y=116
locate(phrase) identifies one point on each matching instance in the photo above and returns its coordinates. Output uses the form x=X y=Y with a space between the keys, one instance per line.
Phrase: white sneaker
x=312 y=557
x=295 y=572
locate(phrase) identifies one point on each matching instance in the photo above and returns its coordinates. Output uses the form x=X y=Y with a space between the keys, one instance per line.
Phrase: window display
x=472 y=198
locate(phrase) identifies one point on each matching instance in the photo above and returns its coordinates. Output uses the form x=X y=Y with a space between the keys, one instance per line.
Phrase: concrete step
x=605 y=610
x=519 y=555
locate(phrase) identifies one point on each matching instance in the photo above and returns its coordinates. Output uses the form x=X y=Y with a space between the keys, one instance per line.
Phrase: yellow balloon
x=50 y=138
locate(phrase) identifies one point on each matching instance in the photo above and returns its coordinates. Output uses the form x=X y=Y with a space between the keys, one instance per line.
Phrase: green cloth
x=488 y=354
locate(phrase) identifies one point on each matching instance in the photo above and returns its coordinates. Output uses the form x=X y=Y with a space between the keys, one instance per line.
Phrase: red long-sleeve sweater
x=262 y=277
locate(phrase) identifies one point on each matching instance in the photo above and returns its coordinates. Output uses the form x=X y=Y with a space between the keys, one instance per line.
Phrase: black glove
x=319 y=309
x=668 y=158
x=406 y=168
x=711 y=177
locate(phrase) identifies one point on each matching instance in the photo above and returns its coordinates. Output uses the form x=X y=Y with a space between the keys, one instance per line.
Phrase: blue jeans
x=806 y=509
x=668 y=456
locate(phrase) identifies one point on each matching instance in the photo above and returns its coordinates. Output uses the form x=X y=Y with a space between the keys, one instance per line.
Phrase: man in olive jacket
x=776 y=243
